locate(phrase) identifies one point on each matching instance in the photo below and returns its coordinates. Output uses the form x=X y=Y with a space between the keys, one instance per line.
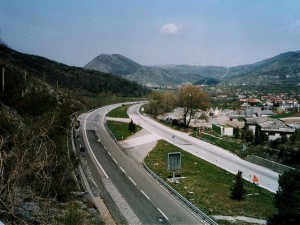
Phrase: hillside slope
x=155 y=76
x=114 y=64
x=74 y=78
x=283 y=69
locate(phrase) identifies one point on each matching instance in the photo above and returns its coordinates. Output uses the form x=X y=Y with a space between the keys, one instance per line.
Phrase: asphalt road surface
x=151 y=203
x=266 y=178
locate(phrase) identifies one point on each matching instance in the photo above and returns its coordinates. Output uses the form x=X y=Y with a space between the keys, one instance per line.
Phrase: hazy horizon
x=204 y=32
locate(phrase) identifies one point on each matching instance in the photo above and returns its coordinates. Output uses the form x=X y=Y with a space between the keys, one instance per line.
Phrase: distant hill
x=282 y=69
x=155 y=76
x=115 y=64
x=74 y=78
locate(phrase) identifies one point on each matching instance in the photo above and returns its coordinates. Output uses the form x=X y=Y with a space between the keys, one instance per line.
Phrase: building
x=273 y=128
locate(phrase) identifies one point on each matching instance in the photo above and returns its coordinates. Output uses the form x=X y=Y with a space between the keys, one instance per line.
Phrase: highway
x=142 y=197
x=267 y=179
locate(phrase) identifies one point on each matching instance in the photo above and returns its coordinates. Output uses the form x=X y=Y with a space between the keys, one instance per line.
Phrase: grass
x=120 y=129
x=120 y=112
x=208 y=186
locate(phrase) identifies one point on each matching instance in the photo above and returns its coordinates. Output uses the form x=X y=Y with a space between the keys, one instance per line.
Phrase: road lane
x=149 y=201
x=267 y=179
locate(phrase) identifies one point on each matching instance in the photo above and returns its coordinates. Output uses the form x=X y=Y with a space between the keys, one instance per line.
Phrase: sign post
x=174 y=162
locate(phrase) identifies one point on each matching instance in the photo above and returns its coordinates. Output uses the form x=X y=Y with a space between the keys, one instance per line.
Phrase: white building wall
x=228 y=131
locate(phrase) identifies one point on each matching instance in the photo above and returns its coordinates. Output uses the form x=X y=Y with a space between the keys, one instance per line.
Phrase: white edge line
x=104 y=147
x=115 y=161
x=132 y=181
x=109 y=154
x=91 y=148
x=122 y=169
x=162 y=213
x=145 y=195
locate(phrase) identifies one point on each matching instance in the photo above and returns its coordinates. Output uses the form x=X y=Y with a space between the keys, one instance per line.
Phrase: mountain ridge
x=282 y=69
x=114 y=64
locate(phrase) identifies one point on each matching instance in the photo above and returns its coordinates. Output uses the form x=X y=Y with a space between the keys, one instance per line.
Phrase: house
x=223 y=130
x=273 y=128
x=250 y=102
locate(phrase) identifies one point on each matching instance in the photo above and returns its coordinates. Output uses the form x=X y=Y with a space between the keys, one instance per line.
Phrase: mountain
x=283 y=69
x=74 y=78
x=113 y=64
x=245 y=69
x=155 y=76
x=213 y=72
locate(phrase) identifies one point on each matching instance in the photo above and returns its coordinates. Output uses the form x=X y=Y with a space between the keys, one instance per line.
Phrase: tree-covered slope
x=73 y=78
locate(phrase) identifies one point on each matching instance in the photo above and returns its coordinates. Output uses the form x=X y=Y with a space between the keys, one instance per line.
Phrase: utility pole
x=3 y=79
x=25 y=76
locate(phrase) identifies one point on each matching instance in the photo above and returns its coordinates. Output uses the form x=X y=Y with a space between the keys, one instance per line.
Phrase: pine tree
x=237 y=190
x=131 y=126
x=287 y=199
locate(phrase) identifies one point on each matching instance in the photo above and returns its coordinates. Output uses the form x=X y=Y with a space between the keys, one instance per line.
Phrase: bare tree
x=191 y=98
x=169 y=101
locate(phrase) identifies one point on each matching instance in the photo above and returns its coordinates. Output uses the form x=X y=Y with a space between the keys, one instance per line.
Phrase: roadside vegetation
x=209 y=187
x=121 y=130
x=119 y=112
x=189 y=97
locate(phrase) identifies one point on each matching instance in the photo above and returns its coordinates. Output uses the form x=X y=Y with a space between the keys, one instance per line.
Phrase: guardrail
x=197 y=211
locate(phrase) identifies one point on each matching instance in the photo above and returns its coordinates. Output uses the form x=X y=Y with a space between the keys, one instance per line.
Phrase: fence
x=277 y=167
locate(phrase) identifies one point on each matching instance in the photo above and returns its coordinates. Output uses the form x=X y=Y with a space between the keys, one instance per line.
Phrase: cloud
x=170 y=28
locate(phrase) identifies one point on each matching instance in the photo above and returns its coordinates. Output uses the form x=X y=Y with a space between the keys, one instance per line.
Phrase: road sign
x=174 y=161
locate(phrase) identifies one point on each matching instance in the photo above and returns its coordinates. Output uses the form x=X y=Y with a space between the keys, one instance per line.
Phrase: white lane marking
x=132 y=181
x=145 y=195
x=104 y=147
x=162 y=213
x=115 y=161
x=122 y=169
x=109 y=154
x=88 y=143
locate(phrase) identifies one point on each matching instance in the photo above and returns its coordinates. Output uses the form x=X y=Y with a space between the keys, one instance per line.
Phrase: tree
x=287 y=198
x=131 y=126
x=247 y=135
x=237 y=190
x=154 y=106
x=168 y=102
x=191 y=98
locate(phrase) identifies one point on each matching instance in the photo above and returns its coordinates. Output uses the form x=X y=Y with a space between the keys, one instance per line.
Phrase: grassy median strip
x=120 y=129
x=208 y=186
x=119 y=112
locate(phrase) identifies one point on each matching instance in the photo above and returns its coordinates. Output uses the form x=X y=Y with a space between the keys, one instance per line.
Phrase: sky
x=152 y=32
